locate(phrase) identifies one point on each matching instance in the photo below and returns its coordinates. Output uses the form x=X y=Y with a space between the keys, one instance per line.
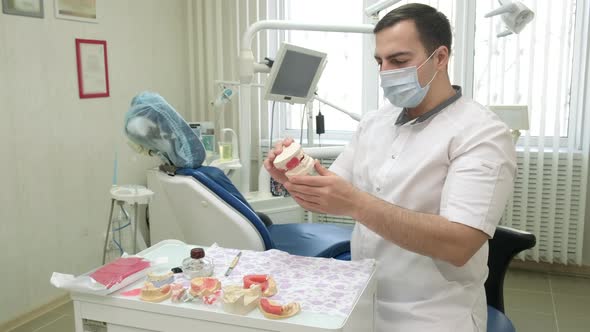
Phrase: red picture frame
x=93 y=69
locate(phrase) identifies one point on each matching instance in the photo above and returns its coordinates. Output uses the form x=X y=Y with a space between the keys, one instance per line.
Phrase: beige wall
x=57 y=151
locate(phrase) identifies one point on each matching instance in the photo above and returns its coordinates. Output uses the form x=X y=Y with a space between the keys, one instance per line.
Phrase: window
x=350 y=71
x=532 y=68
x=536 y=67
x=342 y=79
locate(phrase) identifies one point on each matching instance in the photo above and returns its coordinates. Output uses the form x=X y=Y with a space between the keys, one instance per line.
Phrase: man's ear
x=442 y=57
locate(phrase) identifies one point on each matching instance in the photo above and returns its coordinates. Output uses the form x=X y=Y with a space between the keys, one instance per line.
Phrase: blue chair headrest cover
x=153 y=124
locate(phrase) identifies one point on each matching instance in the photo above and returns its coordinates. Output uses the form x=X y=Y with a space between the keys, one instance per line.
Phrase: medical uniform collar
x=404 y=116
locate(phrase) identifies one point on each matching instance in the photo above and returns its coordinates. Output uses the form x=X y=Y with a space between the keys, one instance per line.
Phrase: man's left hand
x=327 y=193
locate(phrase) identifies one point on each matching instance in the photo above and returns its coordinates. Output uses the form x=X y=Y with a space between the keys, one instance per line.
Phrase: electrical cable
x=117 y=243
x=302 y=118
x=319 y=124
x=272 y=121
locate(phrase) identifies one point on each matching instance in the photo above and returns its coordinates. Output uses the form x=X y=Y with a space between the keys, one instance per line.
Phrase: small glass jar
x=197 y=265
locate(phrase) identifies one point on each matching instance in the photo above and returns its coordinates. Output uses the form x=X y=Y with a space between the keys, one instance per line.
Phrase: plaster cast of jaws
x=204 y=286
x=151 y=293
x=294 y=161
x=265 y=281
x=273 y=310
x=240 y=301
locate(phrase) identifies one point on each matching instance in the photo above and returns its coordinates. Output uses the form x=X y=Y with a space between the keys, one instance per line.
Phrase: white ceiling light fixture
x=515 y=16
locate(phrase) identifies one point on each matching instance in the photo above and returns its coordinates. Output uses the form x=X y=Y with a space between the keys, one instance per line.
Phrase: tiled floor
x=546 y=303
x=58 y=320
x=535 y=302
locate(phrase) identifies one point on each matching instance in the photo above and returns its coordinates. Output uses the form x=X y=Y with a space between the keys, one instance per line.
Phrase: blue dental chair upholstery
x=307 y=239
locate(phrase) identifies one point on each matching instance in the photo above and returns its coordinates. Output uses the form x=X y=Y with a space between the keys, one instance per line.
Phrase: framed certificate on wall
x=93 y=70
x=31 y=8
x=76 y=10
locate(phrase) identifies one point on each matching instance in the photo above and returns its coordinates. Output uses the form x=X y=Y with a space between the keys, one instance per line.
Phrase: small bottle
x=197 y=265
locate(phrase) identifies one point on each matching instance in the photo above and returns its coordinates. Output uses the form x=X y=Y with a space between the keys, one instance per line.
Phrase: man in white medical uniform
x=426 y=177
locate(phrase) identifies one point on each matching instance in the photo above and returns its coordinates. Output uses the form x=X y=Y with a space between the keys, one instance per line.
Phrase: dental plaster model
x=178 y=292
x=204 y=286
x=273 y=310
x=160 y=279
x=240 y=301
x=294 y=161
x=150 y=293
x=266 y=282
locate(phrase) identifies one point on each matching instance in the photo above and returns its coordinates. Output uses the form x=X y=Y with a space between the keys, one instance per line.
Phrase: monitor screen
x=296 y=74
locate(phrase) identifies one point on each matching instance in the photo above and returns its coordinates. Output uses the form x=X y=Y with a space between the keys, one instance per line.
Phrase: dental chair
x=506 y=244
x=199 y=204
x=202 y=206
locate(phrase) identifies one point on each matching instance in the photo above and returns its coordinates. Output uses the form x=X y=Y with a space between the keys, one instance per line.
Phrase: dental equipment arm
x=354 y=116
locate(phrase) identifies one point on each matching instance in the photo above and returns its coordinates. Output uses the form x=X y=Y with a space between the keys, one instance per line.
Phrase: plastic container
x=197 y=265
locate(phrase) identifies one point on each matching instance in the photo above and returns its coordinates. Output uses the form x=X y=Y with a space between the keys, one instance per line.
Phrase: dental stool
x=202 y=206
x=506 y=244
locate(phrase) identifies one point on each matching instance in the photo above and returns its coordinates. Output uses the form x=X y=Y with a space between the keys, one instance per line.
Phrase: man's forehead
x=401 y=37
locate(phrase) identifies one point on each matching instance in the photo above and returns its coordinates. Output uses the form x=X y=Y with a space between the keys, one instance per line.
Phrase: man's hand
x=277 y=174
x=327 y=193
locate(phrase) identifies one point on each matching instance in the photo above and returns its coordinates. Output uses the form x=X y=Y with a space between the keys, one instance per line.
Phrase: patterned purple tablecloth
x=320 y=285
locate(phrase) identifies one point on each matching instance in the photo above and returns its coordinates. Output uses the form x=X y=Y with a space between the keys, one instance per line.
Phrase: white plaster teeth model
x=240 y=301
x=294 y=161
x=265 y=281
x=273 y=310
x=150 y=293
x=204 y=286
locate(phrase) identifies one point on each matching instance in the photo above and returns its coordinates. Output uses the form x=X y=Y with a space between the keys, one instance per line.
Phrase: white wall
x=57 y=151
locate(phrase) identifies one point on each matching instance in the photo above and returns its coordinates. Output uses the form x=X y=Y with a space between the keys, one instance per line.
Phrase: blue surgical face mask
x=401 y=86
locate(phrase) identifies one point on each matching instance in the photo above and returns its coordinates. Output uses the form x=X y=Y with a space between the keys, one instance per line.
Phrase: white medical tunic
x=457 y=161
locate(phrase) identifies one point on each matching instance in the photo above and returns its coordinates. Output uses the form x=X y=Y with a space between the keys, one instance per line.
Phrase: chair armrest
x=506 y=243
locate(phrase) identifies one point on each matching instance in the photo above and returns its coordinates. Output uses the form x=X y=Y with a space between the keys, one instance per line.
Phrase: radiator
x=552 y=210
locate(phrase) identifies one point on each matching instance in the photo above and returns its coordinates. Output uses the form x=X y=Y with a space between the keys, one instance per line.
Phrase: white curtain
x=215 y=31
x=540 y=67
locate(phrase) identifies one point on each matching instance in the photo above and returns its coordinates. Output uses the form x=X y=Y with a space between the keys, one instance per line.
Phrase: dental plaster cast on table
x=237 y=299
x=162 y=284
x=298 y=283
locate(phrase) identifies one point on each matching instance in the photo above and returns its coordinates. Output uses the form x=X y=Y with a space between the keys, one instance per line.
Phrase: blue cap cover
x=154 y=124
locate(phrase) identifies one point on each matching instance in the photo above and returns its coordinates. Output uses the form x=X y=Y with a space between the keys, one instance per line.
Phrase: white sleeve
x=480 y=179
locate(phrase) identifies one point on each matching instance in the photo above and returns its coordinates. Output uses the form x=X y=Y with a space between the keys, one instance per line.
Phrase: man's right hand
x=277 y=174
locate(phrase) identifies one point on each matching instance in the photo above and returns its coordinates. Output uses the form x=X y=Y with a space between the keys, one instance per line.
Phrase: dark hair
x=433 y=26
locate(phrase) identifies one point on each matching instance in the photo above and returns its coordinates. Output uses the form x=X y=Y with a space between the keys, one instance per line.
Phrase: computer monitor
x=294 y=74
